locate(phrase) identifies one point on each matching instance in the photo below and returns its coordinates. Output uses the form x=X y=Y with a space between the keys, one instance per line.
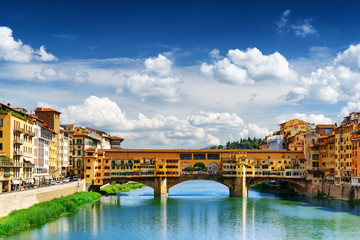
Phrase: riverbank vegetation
x=42 y=212
x=116 y=188
x=322 y=195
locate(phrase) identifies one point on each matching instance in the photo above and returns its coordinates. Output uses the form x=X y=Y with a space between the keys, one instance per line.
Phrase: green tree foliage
x=199 y=166
x=115 y=188
x=187 y=169
x=242 y=144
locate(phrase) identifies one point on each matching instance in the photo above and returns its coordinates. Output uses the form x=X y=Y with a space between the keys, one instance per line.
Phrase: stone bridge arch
x=231 y=183
x=188 y=177
x=149 y=181
x=238 y=186
x=300 y=185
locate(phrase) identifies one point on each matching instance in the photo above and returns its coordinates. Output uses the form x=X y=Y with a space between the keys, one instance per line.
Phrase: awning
x=16 y=181
x=31 y=181
x=27 y=159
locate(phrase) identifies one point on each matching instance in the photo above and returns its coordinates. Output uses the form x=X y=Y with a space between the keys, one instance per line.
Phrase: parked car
x=53 y=182
x=66 y=180
x=75 y=178
x=59 y=182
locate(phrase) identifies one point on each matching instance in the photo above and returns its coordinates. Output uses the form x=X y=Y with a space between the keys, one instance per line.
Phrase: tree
x=242 y=144
x=188 y=169
x=199 y=166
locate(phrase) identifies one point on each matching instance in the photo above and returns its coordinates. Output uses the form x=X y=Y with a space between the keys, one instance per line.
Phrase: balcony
x=28 y=165
x=355 y=131
x=18 y=153
x=18 y=129
x=18 y=141
x=30 y=133
x=6 y=163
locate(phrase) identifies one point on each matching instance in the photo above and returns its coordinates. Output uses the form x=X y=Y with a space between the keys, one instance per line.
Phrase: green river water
x=202 y=210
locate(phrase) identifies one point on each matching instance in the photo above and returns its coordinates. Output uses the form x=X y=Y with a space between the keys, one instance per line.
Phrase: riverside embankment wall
x=343 y=192
x=24 y=199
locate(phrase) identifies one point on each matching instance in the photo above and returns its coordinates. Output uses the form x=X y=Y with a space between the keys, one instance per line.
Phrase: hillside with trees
x=242 y=144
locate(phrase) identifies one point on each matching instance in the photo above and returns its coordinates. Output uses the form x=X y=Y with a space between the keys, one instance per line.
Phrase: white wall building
x=41 y=141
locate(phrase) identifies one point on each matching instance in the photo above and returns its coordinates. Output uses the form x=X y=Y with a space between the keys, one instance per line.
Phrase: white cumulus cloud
x=157 y=82
x=339 y=81
x=311 y=118
x=216 y=120
x=200 y=129
x=252 y=130
x=349 y=108
x=15 y=51
x=247 y=67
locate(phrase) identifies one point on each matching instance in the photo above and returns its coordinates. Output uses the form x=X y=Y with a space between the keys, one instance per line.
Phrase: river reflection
x=202 y=210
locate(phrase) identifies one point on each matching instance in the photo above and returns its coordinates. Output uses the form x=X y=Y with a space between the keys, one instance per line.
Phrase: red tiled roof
x=79 y=134
x=116 y=138
x=46 y=110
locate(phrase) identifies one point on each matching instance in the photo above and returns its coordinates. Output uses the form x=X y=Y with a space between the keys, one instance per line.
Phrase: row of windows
x=199 y=156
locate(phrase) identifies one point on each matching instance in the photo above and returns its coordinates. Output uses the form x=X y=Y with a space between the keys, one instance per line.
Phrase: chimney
x=8 y=104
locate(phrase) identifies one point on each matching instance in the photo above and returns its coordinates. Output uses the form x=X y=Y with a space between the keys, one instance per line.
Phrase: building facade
x=16 y=148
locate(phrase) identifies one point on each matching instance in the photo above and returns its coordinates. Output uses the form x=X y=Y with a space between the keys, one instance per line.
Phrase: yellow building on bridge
x=105 y=165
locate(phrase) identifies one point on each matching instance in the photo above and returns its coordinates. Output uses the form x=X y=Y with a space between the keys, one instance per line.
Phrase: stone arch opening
x=185 y=167
x=199 y=167
x=297 y=184
x=199 y=186
x=213 y=167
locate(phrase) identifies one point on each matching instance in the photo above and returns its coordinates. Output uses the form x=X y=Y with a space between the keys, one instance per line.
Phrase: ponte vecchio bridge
x=239 y=170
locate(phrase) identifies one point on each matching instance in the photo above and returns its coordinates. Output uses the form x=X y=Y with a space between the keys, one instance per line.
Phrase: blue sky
x=182 y=74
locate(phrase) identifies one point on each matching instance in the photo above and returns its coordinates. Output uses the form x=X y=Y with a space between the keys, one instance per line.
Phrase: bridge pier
x=160 y=187
x=239 y=188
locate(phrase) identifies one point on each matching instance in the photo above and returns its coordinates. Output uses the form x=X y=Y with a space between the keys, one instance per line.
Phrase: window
x=328 y=131
x=1 y=146
x=79 y=153
x=316 y=164
x=1 y=122
x=1 y=135
x=199 y=156
x=315 y=156
x=213 y=156
x=185 y=156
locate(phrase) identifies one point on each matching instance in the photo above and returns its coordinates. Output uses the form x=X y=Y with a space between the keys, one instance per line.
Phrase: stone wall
x=24 y=199
x=342 y=192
